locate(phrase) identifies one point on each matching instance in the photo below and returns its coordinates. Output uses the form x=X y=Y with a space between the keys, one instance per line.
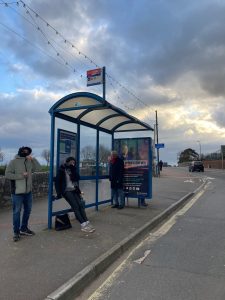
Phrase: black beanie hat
x=21 y=149
x=70 y=158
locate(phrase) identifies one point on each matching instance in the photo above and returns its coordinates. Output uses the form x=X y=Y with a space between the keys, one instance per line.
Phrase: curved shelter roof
x=93 y=111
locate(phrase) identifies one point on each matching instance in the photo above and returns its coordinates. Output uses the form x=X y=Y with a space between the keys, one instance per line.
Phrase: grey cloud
x=41 y=61
x=194 y=47
x=158 y=38
x=51 y=69
x=23 y=121
x=219 y=116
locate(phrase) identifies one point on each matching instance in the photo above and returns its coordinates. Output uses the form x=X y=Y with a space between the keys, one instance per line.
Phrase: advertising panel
x=94 y=77
x=66 y=145
x=136 y=155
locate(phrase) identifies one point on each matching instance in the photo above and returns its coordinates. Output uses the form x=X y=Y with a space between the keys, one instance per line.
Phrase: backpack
x=62 y=222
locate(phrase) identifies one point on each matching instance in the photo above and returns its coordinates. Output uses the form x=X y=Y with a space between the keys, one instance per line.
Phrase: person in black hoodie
x=66 y=186
x=116 y=174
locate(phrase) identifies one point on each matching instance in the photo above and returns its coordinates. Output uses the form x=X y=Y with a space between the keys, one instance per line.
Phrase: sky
x=164 y=56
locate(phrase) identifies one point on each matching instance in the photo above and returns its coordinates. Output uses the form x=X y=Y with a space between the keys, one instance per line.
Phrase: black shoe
x=120 y=207
x=144 y=204
x=115 y=206
x=26 y=232
x=16 y=237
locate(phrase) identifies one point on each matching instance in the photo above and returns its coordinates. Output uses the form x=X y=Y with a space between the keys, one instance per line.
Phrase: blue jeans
x=118 y=197
x=18 y=201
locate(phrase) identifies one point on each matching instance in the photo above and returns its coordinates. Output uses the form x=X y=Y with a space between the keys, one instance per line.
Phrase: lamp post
x=200 y=148
x=157 y=140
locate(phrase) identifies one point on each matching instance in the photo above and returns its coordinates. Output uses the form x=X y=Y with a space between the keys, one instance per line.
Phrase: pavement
x=59 y=265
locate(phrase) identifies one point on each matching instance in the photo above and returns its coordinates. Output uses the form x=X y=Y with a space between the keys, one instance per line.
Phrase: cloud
x=219 y=116
x=24 y=118
x=169 y=54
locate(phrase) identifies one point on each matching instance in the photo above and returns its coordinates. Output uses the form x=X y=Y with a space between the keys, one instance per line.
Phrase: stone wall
x=40 y=188
x=214 y=164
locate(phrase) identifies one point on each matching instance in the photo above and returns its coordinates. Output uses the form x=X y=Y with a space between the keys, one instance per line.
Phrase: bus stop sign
x=157 y=146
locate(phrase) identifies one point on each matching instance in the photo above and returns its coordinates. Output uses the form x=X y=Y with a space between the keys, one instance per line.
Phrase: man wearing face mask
x=19 y=171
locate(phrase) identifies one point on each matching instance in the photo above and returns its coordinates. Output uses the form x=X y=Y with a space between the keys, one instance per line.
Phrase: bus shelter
x=87 y=127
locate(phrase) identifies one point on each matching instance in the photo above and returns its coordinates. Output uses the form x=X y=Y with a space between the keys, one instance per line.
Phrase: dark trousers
x=18 y=201
x=77 y=206
x=118 y=196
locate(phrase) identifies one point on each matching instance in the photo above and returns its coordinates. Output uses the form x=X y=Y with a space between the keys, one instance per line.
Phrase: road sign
x=94 y=77
x=157 y=146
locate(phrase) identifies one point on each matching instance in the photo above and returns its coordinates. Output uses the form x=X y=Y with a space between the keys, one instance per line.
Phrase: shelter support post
x=97 y=170
x=103 y=69
x=78 y=146
x=50 y=191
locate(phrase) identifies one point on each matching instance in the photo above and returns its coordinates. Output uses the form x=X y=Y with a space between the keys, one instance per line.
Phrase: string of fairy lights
x=60 y=51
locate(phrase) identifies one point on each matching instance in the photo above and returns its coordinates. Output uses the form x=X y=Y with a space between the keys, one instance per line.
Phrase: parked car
x=196 y=166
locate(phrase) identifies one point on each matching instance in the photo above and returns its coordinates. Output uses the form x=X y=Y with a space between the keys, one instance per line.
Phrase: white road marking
x=141 y=259
x=99 y=293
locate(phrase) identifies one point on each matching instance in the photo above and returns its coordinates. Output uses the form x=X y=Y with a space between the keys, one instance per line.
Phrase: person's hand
x=25 y=174
x=29 y=157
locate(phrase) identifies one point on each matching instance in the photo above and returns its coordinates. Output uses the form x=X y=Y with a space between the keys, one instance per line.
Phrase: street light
x=200 y=152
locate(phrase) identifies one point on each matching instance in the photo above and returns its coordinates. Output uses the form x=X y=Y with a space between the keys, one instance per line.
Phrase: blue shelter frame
x=92 y=111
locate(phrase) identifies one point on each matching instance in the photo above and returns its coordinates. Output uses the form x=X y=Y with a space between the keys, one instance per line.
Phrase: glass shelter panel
x=104 y=190
x=109 y=124
x=95 y=116
x=73 y=113
x=87 y=151
x=88 y=187
x=105 y=145
x=78 y=102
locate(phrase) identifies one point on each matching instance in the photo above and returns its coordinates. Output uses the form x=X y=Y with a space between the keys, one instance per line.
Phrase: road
x=184 y=259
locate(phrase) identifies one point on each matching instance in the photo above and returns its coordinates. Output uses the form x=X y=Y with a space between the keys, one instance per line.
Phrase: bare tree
x=88 y=153
x=46 y=155
x=104 y=153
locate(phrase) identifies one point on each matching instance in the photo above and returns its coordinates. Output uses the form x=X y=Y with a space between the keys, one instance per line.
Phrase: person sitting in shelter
x=116 y=174
x=66 y=185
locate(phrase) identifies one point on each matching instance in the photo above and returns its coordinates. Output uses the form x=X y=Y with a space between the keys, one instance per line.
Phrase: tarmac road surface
x=184 y=259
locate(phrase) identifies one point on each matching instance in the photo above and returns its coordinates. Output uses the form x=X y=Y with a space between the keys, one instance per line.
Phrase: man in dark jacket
x=116 y=174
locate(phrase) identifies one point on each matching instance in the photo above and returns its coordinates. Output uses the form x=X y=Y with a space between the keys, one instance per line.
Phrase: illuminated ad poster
x=66 y=145
x=136 y=155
